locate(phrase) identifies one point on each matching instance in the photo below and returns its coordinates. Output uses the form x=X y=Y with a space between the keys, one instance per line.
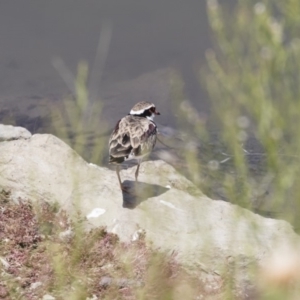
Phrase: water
x=148 y=39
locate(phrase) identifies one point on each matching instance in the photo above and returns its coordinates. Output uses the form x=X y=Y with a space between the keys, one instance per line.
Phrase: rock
x=35 y=285
x=9 y=132
x=48 y=297
x=214 y=236
x=106 y=281
x=94 y=297
x=138 y=235
x=4 y=262
x=66 y=235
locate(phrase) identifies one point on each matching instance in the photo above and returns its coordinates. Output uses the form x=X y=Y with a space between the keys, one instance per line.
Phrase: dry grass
x=43 y=252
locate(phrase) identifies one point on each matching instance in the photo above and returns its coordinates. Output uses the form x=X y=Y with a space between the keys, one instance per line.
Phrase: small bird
x=134 y=137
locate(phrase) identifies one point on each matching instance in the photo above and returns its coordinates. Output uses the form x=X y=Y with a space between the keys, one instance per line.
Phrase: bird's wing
x=119 y=142
x=130 y=134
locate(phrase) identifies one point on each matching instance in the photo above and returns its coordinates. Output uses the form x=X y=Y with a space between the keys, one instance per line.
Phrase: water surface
x=148 y=38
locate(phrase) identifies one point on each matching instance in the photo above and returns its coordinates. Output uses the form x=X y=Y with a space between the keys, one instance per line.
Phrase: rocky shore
x=210 y=237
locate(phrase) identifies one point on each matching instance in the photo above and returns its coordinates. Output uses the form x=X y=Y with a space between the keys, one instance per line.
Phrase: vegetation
x=253 y=81
x=44 y=253
x=252 y=78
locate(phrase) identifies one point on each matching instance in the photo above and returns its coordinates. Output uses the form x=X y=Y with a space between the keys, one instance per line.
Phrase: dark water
x=142 y=44
x=147 y=39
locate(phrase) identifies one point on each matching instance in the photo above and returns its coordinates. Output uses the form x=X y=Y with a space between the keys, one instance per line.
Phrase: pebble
x=35 y=285
x=48 y=297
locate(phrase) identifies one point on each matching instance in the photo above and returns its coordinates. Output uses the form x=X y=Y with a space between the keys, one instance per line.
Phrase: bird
x=133 y=137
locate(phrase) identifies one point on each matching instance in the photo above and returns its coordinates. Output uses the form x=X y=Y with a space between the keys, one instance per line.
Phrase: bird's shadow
x=139 y=192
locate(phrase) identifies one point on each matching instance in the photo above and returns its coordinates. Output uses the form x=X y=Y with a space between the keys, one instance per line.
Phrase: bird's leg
x=137 y=172
x=123 y=188
x=118 y=174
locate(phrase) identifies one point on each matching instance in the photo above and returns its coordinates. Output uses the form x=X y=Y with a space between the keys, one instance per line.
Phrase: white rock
x=170 y=205
x=137 y=235
x=4 y=263
x=200 y=230
x=9 y=132
x=94 y=297
x=48 y=297
x=66 y=235
x=96 y=212
x=35 y=285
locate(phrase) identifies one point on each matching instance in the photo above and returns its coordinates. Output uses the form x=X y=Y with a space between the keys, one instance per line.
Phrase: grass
x=42 y=252
x=252 y=78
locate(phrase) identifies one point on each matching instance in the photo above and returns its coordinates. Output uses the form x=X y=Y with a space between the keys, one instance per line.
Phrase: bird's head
x=144 y=109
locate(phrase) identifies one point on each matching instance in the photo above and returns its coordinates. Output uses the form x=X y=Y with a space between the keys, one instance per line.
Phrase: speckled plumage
x=134 y=136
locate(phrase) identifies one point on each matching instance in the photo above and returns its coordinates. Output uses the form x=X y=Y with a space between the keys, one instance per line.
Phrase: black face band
x=146 y=113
